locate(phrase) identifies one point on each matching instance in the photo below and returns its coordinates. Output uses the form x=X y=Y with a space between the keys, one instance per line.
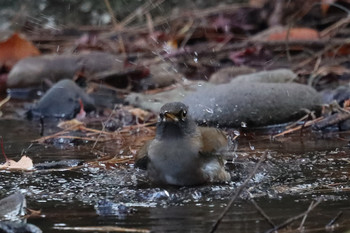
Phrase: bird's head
x=174 y=121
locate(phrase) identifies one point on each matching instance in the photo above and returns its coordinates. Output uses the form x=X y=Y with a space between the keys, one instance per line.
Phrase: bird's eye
x=183 y=114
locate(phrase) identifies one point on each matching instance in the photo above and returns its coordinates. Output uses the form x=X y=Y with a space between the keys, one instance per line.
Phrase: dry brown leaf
x=140 y=113
x=71 y=124
x=338 y=70
x=25 y=163
x=16 y=48
x=295 y=34
x=346 y=103
x=33 y=213
x=4 y=101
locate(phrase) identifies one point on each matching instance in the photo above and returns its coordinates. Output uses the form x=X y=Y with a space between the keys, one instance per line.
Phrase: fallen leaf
x=16 y=48
x=341 y=51
x=25 y=163
x=337 y=70
x=294 y=34
x=325 y=4
x=346 y=103
x=33 y=213
x=71 y=124
x=139 y=113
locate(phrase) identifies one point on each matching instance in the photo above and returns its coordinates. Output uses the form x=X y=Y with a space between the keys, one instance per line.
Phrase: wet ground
x=298 y=170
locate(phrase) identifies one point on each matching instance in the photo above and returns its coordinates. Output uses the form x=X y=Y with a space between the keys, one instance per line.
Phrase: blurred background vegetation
x=16 y=14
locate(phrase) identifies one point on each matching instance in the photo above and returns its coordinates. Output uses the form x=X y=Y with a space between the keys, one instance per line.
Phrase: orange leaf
x=295 y=34
x=343 y=50
x=325 y=5
x=16 y=48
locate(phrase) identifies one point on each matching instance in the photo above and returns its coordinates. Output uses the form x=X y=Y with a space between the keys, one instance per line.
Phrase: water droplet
x=167 y=193
x=209 y=110
x=60 y=225
x=251 y=146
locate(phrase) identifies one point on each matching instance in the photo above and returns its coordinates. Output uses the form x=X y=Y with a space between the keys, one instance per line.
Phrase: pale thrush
x=181 y=152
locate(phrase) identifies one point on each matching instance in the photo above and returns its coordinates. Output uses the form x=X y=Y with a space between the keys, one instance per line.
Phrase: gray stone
x=154 y=102
x=271 y=76
x=34 y=70
x=161 y=75
x=62 y=101
x=259 y=99
x=225 y=75
x=256 y=104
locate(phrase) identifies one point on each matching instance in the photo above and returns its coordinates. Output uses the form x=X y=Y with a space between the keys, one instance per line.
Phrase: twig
x=305 y=216
x=197 y=14
x=331 y=46
x=330 y=30
x=331 y=223
x=150 y=24
x=103 y=229
x=290 y=220
x=2 y=148
x=111 y=13
x=148 y=6
x=332 y=120
x=4 y=101
x=192 y=28
x=298 y=121
x=289 y=57
x=238 y=192
x=103 y=127
x=116 y=26
x=307 y=124
x=261 y=211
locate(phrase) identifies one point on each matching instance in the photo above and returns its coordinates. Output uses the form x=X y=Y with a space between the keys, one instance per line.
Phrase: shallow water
x=299 y=169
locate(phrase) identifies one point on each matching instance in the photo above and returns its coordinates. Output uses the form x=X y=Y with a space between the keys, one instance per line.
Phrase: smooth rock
x=225 y=75
x=258 y=99
x=154 y=102
x=271 y=76
x=34 y=70
x=62 y=100
x=251 y=104
x=161 y=75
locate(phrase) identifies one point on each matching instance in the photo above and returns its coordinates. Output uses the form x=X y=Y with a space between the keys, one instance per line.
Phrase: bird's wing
x=213 y=140
x=141 y=158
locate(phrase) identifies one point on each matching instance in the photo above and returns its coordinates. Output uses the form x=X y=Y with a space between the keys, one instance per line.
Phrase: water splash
x=243 y=124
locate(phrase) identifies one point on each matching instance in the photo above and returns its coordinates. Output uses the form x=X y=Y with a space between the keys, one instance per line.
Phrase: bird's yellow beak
x=170 y=117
